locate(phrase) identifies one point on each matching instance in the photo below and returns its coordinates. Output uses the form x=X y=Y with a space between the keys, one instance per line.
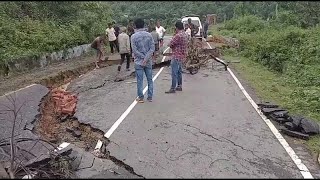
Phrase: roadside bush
x=246 y=24
x=286 y=18
x=37 y=27
x=287 y=49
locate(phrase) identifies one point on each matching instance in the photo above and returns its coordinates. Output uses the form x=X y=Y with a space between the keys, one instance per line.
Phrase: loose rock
x=267 y=105
x=268 y=111
x=64 y=118
x=289 y=125
x=68 y=129
x=281 y=120
x=76 y=133
x=280 y=114
x=296 y=120
x=3 y=172
x=295 y=134
x=29 y=127
x=309 y=127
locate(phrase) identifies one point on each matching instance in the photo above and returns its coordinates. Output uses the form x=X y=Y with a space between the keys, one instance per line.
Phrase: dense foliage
x=286 y=48
x=169 y=11
x=32 y=28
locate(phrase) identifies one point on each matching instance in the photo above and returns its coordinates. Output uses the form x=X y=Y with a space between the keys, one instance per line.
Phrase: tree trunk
x=277 y=10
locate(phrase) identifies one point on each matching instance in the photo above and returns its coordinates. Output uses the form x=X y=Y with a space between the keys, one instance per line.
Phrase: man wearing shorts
x=98 y=45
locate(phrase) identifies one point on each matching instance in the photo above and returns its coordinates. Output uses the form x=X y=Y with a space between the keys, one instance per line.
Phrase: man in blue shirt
x=142 y=51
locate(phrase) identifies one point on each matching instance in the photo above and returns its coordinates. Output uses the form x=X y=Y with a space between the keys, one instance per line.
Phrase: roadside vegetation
x=279 y=57
x=284 y=37
x=30 y=28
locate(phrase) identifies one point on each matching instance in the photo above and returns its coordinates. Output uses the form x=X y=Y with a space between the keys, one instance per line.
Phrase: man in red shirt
x=178 y=45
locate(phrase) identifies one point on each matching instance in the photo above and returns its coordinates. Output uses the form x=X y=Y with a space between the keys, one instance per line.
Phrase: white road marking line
x=18 y=90
x=99 y=144
x=303 y=169
x=125 y=114
x=62 y=146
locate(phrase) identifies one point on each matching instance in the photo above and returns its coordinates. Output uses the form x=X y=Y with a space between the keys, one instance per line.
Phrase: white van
x=195 y=20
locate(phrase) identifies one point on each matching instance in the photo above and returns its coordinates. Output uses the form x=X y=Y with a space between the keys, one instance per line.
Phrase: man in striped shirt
x=178 y=45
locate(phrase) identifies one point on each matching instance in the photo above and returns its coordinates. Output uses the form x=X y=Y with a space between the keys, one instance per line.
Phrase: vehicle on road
x=195 y=20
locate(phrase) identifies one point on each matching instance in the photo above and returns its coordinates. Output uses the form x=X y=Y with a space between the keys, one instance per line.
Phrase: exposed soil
x=53 y=127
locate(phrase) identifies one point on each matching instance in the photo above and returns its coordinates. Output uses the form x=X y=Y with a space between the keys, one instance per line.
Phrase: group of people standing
x=137 y=42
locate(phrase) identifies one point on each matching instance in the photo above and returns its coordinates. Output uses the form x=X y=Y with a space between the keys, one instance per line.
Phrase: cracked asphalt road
x=209 y=130
x=206 y=131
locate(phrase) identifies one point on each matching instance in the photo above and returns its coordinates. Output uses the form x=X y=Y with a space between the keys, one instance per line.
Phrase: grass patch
x=214 y=29
x=269 y=86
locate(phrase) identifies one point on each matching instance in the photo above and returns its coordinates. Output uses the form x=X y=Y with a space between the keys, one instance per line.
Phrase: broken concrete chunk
x=295 y=134
x=309 y=127
x=64 y=118
x=296 y=120
x=43 y=158
x=267 y=105
x=75 y=124
x=268 y=111
x=30 y=176
x=64 y=152
x=289 y=125
x=3 y=172
x=29 y=127
x=68 y=129
x=76 y=157
x=76 y=133
x=280 y=114
x=281 y=120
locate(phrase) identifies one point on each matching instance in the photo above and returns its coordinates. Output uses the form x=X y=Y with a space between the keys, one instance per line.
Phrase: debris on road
x=295 y=126
x=224 y=41
x=65 y=102
x=295 y=134
x=267 y=105
x=57 y=123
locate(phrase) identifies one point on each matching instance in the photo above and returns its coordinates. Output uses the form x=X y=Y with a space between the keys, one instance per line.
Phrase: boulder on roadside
x=309 y=127
x=289 y=125
x=296 y=120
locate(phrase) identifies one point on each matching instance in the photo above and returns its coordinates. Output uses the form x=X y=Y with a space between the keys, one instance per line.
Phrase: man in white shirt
x=110 y=32
x=188 y=31
x=161 y=31
x=124 y=46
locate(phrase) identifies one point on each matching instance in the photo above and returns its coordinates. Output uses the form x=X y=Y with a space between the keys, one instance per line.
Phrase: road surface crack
x=186 y=153
x=200 y=131
x=122 y=164
x=239 y=146
x=209 y=135
x=96 y=87
x=211 y=164
x=217 y=138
